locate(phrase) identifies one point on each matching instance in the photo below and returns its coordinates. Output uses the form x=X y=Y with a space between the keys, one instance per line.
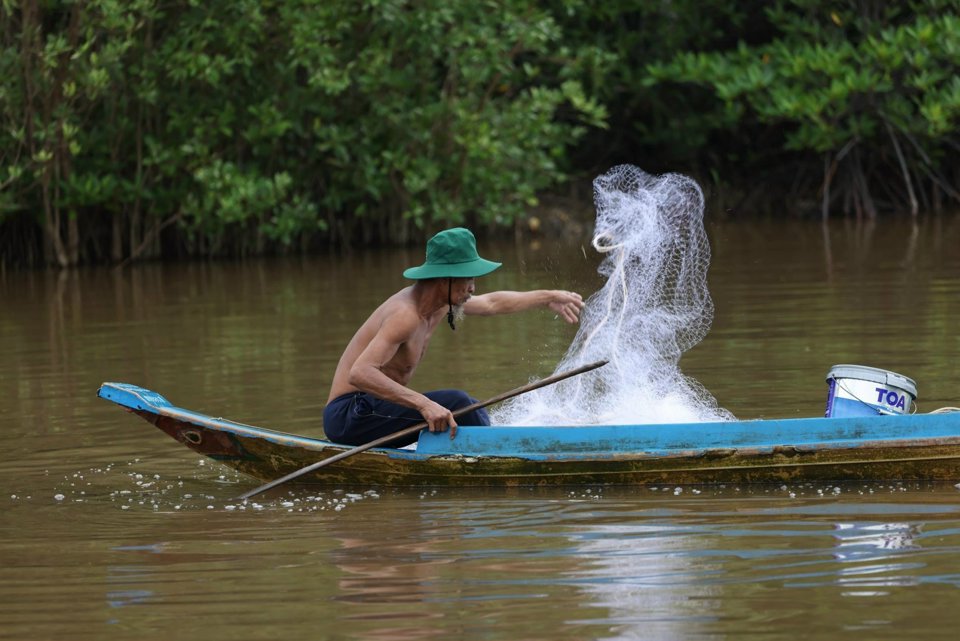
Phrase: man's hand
x=438 y=417
x=567 y=305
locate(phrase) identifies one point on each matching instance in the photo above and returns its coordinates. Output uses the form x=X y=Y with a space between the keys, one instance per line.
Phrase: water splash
x=654 y=306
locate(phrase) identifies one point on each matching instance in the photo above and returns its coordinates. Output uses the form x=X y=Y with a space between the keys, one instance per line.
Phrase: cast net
x=653 y=307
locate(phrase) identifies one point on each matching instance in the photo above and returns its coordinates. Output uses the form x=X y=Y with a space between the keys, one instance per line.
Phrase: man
x=369 y=397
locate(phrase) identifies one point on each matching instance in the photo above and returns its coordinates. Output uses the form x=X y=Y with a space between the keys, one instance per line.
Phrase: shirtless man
x=369 y=397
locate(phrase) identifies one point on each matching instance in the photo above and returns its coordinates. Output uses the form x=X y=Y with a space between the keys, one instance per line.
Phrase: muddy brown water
x=112 y=530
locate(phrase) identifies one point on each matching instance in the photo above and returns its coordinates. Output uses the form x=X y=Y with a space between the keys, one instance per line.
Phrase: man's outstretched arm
x=566 y=304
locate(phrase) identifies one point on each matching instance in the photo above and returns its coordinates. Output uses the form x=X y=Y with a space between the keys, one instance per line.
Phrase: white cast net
x=653 y=307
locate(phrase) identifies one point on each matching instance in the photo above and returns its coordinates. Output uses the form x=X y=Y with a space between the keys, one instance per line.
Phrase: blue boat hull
x=914 y=447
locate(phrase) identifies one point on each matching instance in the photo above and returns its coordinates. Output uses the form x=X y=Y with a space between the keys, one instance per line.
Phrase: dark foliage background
x=141 y=129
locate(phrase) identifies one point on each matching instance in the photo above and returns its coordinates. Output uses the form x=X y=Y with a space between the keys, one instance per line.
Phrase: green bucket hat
x=452 y=254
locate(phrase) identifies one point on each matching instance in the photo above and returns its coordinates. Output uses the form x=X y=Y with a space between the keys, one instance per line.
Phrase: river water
x=112 y=530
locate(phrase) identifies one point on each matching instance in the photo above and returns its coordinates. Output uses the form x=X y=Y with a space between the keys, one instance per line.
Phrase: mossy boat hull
x=918 y=447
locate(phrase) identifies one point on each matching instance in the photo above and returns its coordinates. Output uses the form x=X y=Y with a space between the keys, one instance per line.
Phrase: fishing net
x=653 y=307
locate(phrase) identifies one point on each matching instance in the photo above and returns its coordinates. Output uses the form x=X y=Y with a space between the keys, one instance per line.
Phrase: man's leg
x=360 y=418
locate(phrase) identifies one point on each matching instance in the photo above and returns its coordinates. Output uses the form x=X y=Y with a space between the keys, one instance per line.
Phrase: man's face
x=461 y=290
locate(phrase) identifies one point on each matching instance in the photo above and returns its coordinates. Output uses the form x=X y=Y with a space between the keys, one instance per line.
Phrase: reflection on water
x=603 y=563
x=858 y=541
x=635 y=574
x=876 y=546
x=109 y=529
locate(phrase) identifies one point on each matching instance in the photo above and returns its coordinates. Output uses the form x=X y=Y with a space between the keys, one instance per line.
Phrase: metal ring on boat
x=192 y=436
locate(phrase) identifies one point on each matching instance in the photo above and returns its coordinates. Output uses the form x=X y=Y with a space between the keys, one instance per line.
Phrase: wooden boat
x=910 y=447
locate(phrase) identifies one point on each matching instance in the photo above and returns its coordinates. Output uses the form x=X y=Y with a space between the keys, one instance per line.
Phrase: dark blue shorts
x=357 y=418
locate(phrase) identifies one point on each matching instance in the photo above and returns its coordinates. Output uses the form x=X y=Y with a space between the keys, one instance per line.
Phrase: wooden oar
x=550 y=380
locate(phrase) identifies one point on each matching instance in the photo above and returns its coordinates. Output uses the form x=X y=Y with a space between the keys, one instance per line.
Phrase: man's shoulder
x=399 y=303
x=399 y=310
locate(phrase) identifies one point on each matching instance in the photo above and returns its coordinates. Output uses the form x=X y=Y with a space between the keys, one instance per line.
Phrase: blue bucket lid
x=874 y=375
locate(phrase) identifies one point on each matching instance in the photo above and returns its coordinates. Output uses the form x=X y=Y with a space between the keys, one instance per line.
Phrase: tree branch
x=903 y=167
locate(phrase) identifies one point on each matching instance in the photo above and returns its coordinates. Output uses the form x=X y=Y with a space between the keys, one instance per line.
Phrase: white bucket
x=857 y=390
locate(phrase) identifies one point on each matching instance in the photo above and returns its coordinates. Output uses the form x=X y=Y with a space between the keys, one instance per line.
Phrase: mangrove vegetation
x=141 y=129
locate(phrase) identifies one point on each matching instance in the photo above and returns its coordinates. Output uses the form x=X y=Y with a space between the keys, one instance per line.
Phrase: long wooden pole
x=550 y=380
